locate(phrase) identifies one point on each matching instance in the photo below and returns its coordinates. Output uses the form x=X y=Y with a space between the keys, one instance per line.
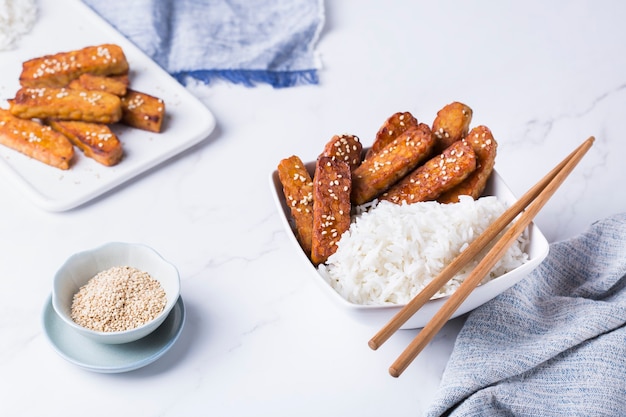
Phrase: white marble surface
x=260 y=337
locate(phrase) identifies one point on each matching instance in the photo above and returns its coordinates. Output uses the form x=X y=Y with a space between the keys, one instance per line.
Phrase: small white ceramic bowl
x=378 y=315
x=82 y=266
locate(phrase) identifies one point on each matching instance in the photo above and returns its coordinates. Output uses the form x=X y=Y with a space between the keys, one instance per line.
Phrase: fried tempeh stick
x=298 y=189
x=96 y=140
x=114 y=84
x=66 y=104
x=451 y=124
x=485 y=147
x=35 y=140
x=393 y=127
x=436 y=176
x=376 y=174
x=331 y=206
x=60 y=69
x=143 y=111
x=347 y=148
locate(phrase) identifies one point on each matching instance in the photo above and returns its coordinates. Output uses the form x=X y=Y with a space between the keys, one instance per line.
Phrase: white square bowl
x=377 y=316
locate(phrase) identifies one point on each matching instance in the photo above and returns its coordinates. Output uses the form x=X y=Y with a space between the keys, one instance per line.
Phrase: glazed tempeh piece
x=298 y=189
x=347 y=148
x=331 y=206
x=66 y=104
x=143 y=111
x=436 y=176
x=376 y=174
x=451 y=124
x=393 y=127
x=485 y=147
x=60 y=69
x=96 y=140
x=35 y=140
x=115 y=84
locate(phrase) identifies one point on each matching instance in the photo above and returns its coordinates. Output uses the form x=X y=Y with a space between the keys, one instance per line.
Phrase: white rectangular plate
x=65 y=25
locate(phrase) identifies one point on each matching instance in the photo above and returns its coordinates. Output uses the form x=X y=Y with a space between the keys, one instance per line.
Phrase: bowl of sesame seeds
x=115 y=293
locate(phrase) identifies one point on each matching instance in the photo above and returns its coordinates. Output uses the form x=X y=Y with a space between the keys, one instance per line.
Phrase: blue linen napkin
x=554 y=344
x=241 y=41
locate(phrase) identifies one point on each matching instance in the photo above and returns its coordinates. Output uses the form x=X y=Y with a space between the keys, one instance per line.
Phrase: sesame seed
x=117 y=299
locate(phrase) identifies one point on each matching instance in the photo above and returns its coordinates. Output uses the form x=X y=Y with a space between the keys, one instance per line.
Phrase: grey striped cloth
x=554 y=344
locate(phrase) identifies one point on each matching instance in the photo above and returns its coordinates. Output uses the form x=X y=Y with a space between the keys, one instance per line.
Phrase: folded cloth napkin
x=242 y=41
x=552 y=345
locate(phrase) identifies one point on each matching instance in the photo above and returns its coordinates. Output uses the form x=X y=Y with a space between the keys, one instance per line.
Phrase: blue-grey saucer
x=107 y=358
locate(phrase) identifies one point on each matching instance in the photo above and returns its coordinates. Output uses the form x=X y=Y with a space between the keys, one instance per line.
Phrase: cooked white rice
x=391 y=252
x=17 y=18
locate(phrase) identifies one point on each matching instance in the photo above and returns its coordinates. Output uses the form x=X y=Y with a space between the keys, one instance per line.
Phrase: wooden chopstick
x=537 y=196
x=469 y=253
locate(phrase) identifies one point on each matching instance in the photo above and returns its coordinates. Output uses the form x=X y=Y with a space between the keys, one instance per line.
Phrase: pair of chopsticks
x=528 y=205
